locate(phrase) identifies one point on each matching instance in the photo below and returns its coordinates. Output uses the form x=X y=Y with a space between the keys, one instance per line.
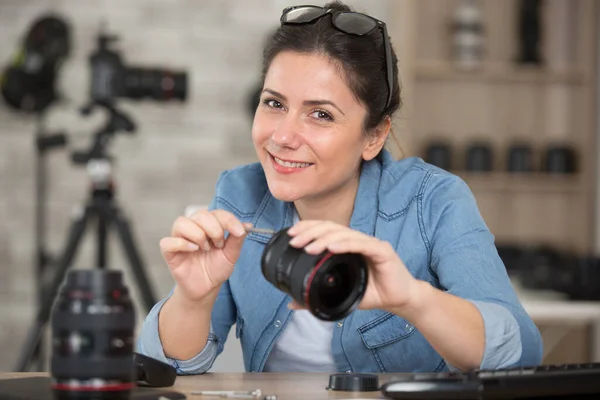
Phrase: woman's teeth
x=290 y=164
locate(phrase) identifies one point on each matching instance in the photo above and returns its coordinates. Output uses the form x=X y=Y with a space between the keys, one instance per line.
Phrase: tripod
x=101 y=207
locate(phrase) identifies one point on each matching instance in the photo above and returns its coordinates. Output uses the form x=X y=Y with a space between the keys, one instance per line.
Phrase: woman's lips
x=288 y=167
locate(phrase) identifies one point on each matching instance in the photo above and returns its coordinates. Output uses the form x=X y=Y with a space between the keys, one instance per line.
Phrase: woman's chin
x=286 y=194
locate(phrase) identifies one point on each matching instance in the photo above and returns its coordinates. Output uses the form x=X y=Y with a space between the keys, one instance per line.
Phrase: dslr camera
x=112 y=78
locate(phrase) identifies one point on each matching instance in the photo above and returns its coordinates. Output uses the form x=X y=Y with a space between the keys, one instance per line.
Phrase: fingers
x=377 y=250
x=229 y=222
x=177 y=244
x=190 y=231
x=170 y=246
x=321 y=243
x=211 y=226
x=208 y=227
x=305 y=232
x=318 y=236
x=293 y=305
x=233 y=246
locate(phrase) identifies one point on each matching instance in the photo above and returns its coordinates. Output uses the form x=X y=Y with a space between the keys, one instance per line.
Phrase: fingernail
x=294 y=241
x=309 y=248
x=193 y=246
x=333 y=246
x=239 y=231
x=206 y=246
x=220 y=244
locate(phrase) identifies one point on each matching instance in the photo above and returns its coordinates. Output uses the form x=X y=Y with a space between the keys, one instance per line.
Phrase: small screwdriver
x=255 y=394
x=261 y=230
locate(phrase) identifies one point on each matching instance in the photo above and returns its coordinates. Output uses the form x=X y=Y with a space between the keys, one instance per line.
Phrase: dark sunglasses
x=351 y=23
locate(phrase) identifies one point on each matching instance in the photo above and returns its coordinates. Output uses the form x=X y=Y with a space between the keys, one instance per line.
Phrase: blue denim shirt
x=430 y=217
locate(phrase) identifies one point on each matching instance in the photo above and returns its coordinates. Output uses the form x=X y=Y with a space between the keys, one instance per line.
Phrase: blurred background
x=502 y=93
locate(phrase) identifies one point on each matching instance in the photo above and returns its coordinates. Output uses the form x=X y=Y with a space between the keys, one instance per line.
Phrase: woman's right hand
x=198 y=256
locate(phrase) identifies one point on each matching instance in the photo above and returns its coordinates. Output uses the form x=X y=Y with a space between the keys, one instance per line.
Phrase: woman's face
x=307 y=128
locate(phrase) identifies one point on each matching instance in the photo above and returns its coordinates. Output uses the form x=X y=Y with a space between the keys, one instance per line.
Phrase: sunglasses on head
x=351 y=23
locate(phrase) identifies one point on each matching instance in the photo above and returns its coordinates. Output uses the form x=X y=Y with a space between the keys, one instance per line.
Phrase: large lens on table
x=93 y=324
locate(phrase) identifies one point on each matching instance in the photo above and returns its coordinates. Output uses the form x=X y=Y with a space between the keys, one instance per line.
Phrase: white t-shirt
x=304 y=345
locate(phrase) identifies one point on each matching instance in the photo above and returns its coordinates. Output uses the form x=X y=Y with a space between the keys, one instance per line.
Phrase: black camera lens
x=329 y=285
x=93 y=323
x=155 y=84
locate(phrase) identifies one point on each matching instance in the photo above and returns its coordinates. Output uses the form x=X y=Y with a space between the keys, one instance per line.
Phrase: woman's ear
x=377 y=138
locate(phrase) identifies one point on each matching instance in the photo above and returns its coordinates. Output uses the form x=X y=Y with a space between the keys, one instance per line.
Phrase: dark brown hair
x=362 y=59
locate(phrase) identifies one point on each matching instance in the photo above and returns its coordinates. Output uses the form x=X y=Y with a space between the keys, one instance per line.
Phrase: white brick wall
x=174 y=158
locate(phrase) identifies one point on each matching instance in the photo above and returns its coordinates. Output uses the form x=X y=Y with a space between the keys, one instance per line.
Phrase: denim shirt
x=429 y=216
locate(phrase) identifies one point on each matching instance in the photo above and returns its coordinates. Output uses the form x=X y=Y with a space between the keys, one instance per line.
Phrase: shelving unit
x=522 y=182
x=499 y=73
x=503 y=103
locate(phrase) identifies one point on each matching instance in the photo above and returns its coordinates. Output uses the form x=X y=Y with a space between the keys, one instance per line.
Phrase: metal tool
x=261 y=230
x=254 y=394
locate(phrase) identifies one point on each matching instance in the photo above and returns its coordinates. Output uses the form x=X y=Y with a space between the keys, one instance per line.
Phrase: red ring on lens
x=312 y=275
x=109 y=387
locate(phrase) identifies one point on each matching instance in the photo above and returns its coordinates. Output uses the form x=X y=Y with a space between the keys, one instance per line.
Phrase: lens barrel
x=330 y=285
x=93 y=322
x=153 y=83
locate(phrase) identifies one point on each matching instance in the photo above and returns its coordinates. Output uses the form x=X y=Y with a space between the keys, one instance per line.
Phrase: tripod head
x=96 y=158
x=118 y=121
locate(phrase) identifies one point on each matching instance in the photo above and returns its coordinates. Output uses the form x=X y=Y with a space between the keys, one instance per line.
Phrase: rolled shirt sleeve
x=149 y=344
x=466 y=264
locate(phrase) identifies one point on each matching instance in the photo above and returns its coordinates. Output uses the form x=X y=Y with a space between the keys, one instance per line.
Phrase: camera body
x=330 y=285
x=112 y=78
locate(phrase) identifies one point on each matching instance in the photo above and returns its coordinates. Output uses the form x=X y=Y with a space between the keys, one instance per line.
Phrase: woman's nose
x=286 y=134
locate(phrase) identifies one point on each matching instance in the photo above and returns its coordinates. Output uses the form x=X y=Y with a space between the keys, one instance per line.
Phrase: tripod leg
x=134 y=257
x=101 y=256
x=43 y=315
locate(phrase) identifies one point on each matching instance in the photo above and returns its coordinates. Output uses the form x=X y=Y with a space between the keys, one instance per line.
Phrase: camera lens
x=156 y=84
x=93 y=324
x=329 y=285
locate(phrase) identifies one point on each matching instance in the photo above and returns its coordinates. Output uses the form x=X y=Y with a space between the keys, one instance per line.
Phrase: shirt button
x=408 y=327
x=340 y=324
x=277 y=324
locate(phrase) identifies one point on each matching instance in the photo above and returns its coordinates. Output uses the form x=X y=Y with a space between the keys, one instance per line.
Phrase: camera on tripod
x=111 y=78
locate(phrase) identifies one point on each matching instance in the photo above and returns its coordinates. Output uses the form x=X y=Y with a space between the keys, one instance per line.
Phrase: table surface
x=286 y=386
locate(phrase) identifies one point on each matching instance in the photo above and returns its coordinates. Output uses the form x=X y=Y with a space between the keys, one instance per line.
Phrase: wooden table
x=286 y=386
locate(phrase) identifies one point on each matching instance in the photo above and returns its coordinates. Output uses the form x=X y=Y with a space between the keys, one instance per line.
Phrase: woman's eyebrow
x=306 y=102
x=322 y=102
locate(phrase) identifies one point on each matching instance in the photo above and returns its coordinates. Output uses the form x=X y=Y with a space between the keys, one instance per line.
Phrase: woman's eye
x=322 y=115
x=272 y=103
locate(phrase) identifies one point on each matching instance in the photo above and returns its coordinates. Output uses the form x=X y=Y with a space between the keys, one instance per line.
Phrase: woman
x=438 y=296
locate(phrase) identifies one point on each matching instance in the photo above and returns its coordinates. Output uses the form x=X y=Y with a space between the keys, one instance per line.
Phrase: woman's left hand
x=390 y=286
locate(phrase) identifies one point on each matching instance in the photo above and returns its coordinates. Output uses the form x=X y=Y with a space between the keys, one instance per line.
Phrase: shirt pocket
x=386 y=329
x=383 y=336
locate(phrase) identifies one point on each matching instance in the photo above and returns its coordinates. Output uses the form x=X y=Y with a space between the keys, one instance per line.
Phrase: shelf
x=498 y=73
x=521 y=182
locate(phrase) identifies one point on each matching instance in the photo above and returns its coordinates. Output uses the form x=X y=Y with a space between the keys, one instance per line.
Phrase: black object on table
x=353 y=382
x=38 y=388
x=547 y=381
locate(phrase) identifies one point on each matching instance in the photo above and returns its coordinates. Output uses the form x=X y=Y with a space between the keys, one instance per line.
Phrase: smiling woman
x=438 y=296
x=308 y=132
